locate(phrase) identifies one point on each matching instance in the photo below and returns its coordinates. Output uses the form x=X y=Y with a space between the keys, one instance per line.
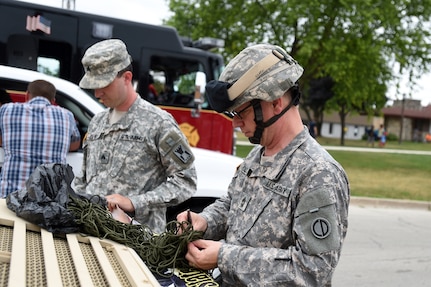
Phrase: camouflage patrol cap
x=102 y=62
x=269 y=84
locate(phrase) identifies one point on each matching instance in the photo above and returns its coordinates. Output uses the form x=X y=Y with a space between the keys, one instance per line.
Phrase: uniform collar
x=125 y=121
x=282 y=158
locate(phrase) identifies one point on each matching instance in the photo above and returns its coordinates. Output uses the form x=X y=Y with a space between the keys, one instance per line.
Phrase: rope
x=161 y=252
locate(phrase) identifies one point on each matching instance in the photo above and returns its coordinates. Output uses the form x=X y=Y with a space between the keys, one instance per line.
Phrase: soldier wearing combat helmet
x=284 y=219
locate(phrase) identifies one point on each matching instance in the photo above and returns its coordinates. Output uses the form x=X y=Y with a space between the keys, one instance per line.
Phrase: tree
x=319 y=93
x=356 y=43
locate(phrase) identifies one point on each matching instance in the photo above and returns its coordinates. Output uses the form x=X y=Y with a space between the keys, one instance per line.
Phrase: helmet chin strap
x=260 y=124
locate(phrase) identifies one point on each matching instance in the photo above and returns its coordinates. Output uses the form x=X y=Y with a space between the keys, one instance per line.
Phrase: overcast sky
x=146 y=11
x=154 y=11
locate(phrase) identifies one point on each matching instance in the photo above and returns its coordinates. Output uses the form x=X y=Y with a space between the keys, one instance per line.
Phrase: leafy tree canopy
x=354 y=42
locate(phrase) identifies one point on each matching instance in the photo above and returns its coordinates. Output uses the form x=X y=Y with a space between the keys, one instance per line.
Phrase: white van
x=214 y=169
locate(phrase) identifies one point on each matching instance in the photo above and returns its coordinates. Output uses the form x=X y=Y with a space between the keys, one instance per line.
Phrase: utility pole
x=402 y=119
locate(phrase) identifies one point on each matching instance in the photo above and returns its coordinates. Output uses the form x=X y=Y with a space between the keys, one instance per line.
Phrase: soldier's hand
x=123 y=202
x=120 y=215
x=202 y=254
x=198 y=222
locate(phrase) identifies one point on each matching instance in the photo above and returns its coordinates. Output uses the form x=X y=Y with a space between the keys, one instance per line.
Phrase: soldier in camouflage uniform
x=134 y=153
x=284 y=218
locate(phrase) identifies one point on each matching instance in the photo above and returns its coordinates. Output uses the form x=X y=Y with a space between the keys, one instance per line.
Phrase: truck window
x=49 y=66
x=172 y=81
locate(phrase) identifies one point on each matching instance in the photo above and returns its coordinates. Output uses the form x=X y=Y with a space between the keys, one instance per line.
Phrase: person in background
x=34 y=133
x=284 y=218
x=135 y=155
x=152 y=92
x=370 y=135
x=382 y=136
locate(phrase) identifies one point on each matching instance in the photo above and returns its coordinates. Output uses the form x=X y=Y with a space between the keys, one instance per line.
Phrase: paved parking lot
x=386 y=246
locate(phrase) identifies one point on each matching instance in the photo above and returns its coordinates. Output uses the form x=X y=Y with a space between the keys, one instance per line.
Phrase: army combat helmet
x=260 y=72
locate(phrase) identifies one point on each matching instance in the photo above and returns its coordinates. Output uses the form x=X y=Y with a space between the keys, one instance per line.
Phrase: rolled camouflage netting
x=161 y=252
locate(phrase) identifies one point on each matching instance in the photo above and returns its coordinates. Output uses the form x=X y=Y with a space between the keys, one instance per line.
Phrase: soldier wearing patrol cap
x=134 y=153
x=284 y=218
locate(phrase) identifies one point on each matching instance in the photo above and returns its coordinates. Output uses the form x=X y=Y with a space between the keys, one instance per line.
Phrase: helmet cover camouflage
x=102 y=62
x=268 y=86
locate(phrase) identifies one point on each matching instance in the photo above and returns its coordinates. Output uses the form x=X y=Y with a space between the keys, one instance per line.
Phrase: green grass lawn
x=382 y=175
x=386 y=175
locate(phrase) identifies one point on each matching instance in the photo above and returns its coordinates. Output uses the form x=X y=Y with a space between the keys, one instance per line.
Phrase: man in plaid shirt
x=33 y=133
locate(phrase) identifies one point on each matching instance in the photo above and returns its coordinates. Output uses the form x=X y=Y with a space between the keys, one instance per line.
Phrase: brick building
x=409 y=119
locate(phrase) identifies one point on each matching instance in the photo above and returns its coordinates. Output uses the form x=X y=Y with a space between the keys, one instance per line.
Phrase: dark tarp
x=44 y=200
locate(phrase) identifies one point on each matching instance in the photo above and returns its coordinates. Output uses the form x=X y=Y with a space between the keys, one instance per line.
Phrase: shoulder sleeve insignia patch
x=321 y=228
x=176 y=147
x=183 y=153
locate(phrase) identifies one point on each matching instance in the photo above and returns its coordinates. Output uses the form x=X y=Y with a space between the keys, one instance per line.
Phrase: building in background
x=408 y=119
x=355 y=126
